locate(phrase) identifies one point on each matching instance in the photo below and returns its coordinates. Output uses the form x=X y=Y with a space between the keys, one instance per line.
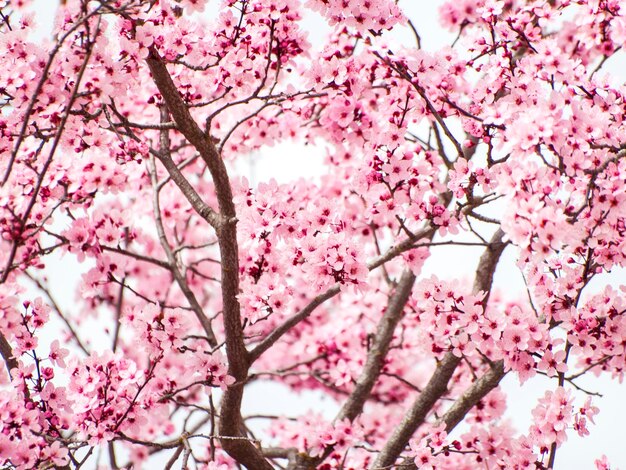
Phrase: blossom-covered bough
x=121 y=140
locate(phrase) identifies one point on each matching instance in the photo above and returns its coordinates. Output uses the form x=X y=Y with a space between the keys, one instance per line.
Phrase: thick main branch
x=242 y=450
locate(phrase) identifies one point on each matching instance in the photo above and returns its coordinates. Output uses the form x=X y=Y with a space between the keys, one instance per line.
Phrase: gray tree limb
x=438 y=383
x=7 y=354
x=380 y=347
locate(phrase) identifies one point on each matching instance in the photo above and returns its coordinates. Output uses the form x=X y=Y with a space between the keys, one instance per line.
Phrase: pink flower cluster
x=362 y=15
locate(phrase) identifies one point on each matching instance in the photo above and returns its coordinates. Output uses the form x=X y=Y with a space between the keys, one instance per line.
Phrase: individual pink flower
x=58 y=354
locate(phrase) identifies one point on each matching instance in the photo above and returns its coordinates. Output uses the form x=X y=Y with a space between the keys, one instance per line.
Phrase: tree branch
x=438 y=383
x=376 y=356
x=178 y=276
x=202 y=208
x=292 y=321
x=53 y=148
x=192 y=132
x=473 y=395
x=487 y=265
x=230 y=425
x=7 y=354
x=416 y=414
x=353 y=406
x=42 y=81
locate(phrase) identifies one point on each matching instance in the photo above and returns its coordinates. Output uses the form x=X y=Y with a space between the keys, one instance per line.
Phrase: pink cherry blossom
x=159 y=271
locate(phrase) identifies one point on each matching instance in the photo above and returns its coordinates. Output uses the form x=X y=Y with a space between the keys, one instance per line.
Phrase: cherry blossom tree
x=123 y=138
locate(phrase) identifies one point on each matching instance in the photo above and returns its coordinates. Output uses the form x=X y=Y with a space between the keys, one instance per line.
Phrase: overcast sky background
x=289 y=161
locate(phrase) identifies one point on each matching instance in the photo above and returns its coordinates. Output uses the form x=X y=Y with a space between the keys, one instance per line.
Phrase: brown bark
x=230 y=424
